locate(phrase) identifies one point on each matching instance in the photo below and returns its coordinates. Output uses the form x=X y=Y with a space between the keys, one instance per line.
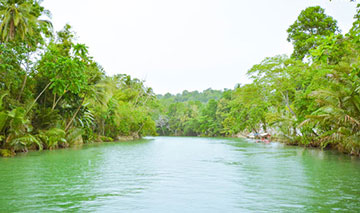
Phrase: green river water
x=176 y=174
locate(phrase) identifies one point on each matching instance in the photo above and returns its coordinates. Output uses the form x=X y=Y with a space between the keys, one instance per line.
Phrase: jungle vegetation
x=53 y=94
x=311 y=98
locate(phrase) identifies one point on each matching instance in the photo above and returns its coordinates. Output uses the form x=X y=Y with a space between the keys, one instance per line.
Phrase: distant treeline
x=185 y=96
x=189 y=113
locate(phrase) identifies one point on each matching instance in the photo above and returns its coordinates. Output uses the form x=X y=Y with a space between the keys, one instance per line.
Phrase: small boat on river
x=264 y=137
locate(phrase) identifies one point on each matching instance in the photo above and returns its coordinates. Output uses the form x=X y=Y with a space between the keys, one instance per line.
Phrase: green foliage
x=22 y=143
x=53 y=138
x=190 y=118
x=53 y=94
x=311 y=24
x=122 y=107
x=74 y=135
x=185 y=96
x=313 y=103
x=105 y=139
x=19 y=20
x=6 y=153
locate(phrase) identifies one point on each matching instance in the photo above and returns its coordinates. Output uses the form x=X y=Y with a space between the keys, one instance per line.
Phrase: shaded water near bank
x=176 y=174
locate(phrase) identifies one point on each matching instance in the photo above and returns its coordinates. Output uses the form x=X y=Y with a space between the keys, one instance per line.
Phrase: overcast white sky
x=187 y=44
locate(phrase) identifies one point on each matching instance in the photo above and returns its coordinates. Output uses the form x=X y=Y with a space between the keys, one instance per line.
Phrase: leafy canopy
x=311 y=24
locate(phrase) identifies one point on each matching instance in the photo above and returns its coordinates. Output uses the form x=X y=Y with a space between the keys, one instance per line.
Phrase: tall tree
x=19 y=20
x=311 y=24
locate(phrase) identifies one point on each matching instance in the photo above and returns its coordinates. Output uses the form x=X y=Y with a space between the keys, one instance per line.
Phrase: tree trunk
x=22 y=87
x=103 y=127
x=142 y=125
x=286 y=98
x=57 y=101
x=74 y=116
x=12 y=29
x=25 y=78
x=38 y=97
x=54 y=100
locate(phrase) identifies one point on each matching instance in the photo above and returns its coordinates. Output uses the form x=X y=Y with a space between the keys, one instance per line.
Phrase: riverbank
x=78 y=142
x=341 y=148
x=102 y=139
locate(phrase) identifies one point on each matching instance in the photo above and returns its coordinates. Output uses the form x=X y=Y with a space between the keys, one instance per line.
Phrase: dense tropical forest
x=53 y=94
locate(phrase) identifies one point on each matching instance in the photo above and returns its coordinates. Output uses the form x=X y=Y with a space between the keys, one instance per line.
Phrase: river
x=181 y=174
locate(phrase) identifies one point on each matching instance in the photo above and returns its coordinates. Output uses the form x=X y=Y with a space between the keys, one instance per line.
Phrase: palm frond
x=74 y=134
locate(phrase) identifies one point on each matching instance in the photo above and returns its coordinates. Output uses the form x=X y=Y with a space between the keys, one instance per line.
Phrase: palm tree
x=338 y=118
x=18 y=19
x=15 y=17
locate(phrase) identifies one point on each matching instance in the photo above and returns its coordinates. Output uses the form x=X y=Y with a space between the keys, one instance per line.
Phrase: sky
x=176 y=45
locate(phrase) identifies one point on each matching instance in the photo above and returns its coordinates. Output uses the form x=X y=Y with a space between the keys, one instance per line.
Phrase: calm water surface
x=174 y=174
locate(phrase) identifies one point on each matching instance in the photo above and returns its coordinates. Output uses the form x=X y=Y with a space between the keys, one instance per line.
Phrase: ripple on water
x=171 y=174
